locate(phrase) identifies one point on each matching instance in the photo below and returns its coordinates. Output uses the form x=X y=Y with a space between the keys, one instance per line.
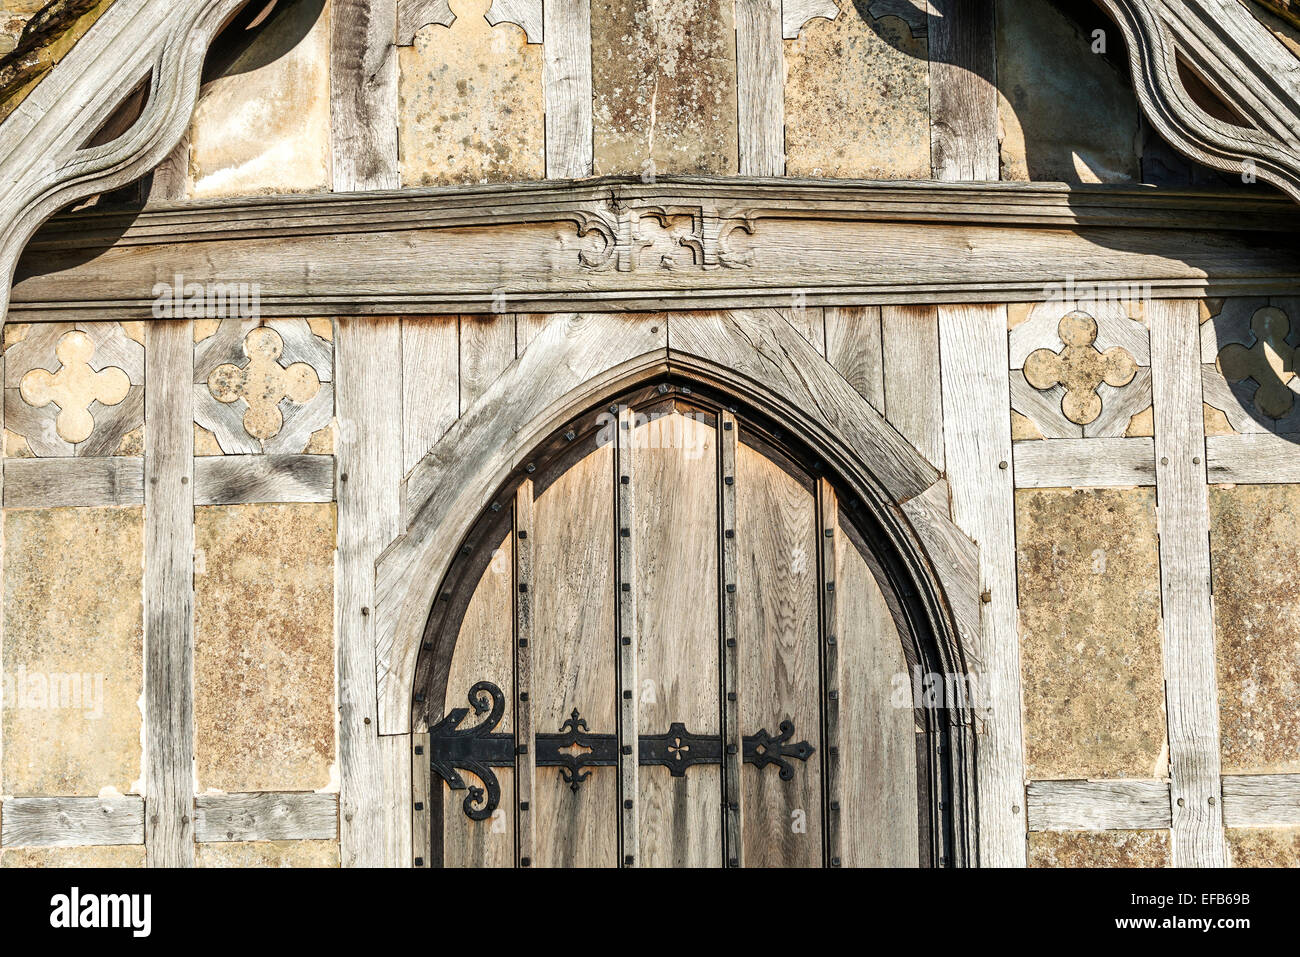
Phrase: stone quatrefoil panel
x=1081 y=370
x=74 y=389
x=1248 y=364
x=263 y=386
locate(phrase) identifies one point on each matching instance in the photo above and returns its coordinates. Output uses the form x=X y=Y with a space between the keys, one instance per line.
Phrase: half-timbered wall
x=212 y=527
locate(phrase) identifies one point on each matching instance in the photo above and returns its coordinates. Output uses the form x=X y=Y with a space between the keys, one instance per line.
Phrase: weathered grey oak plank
x=566 y=85
x=240 y=479
x=1183 y=518
x=84 y=481
x=363 y=94
x=266 y=816
x=1253 y=459
x=169 y=595
x=369 y=471
x=1085 y=463
x=430 y=383
x=853 y=347
x=760 y=87
x=1098 y=805
x=963 y=94
x=71 y=821
x=913 y=393
x=1261 y=800
x=977 y=441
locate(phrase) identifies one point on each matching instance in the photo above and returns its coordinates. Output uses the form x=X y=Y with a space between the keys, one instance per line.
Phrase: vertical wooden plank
x=963 y=91
x=677 y=632
x=732 y=729
x=169 y=594
x=1183 y=516
x=760 y=87
x=526 y=761
x=363 y=95
x=487 y=346
x=574 y=622
x=430 y=384
x=395 y=755
x=777 y=631
x=853 y=347
x=810 y=323
x=977 y=449
x=485 y=652
x=566 y=78
x=877 y=786
x=628 y=648
x=369 y=461
x=421 y=792
x=913 y=392
x=831 y=635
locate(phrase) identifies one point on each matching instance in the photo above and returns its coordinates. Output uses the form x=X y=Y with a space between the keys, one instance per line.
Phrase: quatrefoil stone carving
x=264 y=383
x=74 y=387
x=1270 y=362
x=1080 y=367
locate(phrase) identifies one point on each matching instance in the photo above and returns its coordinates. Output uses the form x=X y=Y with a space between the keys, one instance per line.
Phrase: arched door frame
x=577 y=362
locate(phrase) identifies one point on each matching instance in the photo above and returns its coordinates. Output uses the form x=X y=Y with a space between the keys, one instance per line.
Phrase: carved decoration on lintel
x=263 y=386
x=642 y=237
x=1249 y=352
x=74 y=389
x=1081 y=369
x=414 y=15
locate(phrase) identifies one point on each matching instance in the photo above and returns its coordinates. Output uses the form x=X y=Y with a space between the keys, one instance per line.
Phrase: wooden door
x=668 y=646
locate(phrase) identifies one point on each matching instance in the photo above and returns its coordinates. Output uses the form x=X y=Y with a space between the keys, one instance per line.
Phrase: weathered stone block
x=1255 y=563
x=107 y=856
x=72 y=651
x=857 y=98
x=264 y=646
x=664 y=85
x=1099 y=849
x=268 y=854
x=470 y=103
x=1264 y=846
x=1089 y=584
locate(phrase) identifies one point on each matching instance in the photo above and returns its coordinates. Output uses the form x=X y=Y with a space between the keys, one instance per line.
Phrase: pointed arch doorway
x=675 y=639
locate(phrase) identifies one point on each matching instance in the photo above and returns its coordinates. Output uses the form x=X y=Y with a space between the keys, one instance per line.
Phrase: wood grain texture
x=963 y=94
x=84 y=481
x=1085 y=463
x=369 y=462
x=733 y=793
x=1183 y=517
x=878 y=785
x=301 y=816
x=777 y=631
x=629 y=643
x=421 y=798
x=71 y=821
x=760 y=347
x=1260 y=800
x=484 y=652
x=1256 y=459
x=573 y=657
x=363 y=95
x=1098 y=805
x=487 y=346
x=414 y=15
x=169 y=595
x=430 y=384
x=913 y=395
x=571 y=361
x=241 y=479
x=566 y=85
x=854 y=348
x=977 y=442
x=677 y=633
x=522 y=650
x=760 y=87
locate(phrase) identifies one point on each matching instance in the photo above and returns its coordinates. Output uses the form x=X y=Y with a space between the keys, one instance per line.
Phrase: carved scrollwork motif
x=627 y=244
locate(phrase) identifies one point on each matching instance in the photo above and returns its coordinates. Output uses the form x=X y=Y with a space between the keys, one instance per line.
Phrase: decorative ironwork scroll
x=476 y=750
